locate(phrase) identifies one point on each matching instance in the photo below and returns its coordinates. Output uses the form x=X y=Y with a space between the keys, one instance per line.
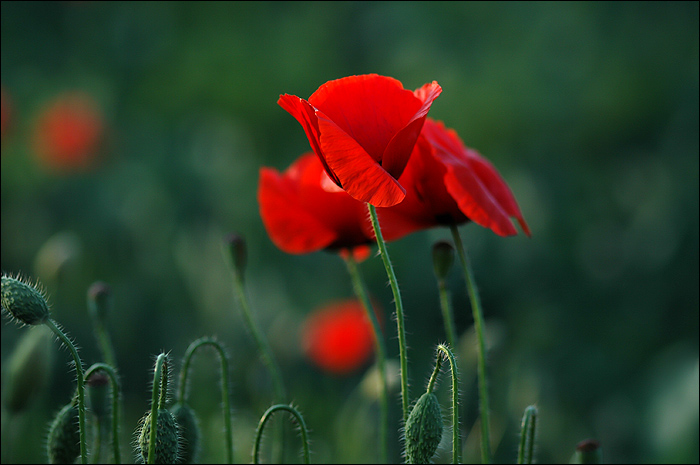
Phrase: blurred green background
x=588 y=110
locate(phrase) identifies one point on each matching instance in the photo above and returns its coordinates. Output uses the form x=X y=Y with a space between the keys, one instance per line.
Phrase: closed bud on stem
x=167 y=437
x=189 y=432
x=98 y=394
x=588 y=451
x=443 y=258
x=64 y=436
x=423 y=429
x=99 y=298
x=239 y=255
x=24 y=302
x=28 y=369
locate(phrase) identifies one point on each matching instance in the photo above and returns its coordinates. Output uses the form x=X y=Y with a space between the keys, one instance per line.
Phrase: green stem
x=266 y=416
x=444 y=351
x=361 y=292
x=481 y=346
x=182 y=396
x=266 y=354
x=158 y=396
x=399 y=309
x=80 y=387
x=447 y=317
x=105 y=344
x=527 y=435
x=115 y=403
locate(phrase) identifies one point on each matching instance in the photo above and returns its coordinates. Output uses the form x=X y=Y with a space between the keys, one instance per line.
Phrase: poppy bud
x=423 y=429
x=167 y=437
x=239 y=256
x=28 y=369
x=24 y=302
x=64 y=436
x=189 y=432
x=443 y=258
x=588 y=451
x=98 y=398
x=99 y=301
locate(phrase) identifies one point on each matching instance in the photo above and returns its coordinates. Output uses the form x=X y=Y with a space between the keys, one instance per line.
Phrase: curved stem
x=481 y=346
x=182 y=395
x=399 y=309
x=444 y=351
x=527 y=435
x=81 y=385
x=266 y=416
x=361 y=292
x=115 y=403
x=160 y=376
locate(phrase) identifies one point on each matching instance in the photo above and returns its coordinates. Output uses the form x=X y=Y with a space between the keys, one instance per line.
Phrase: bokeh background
x=588 y=110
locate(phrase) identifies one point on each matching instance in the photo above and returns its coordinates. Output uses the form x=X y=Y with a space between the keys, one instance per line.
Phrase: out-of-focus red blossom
x=304 y=211
x=338 y=338
x=447 y=182
x=68 y=132
x=363 y=129
x=6 y=113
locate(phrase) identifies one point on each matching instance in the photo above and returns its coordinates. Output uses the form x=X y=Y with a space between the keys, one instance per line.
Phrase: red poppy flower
x=304 y=211
x=68 y=132
x=363 y=128
x=446 y=183
x=338 y=338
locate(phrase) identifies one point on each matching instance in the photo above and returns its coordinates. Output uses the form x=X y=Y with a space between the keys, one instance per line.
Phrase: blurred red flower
x=447 y=182
x=304 y=211
x=68 y=132
x=363 y=129
x=338 y=338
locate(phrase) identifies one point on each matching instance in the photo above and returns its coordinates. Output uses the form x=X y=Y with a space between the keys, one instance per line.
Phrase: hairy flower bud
x=167 y=437
x=189 y=432
x=423 y=429
x=64 y=436
x=24 y=302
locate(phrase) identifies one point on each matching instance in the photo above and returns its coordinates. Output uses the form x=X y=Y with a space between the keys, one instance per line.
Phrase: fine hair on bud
x=26 y=303
x=64 y=436
x=423 y=429
x=189 y=432
x=167 y=438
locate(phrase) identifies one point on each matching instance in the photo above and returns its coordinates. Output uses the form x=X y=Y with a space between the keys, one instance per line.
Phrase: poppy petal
x=359 y=175
x=289 y=226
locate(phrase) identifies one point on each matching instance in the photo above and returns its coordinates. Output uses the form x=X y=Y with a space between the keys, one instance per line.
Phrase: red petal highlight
x=359 y=175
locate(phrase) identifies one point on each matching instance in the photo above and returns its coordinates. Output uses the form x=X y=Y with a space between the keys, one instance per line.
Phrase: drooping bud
x=588 y=451
x=167 y=437
x=423 y=429
x=238 y=253
x=28 y=369
x=99 y=298
x=98 y=394
x=64 y=436
x=443 y=258
x=189 y=432
x=24 y=302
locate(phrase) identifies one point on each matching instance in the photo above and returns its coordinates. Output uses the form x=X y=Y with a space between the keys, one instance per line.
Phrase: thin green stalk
x=115 y=403
x=399 y=310
x=361 y=292
x=527 y=435
x=80 y=381
x=158 y=398
x=266 y=416
x=444 y=351
x=182 y=395
x=481 y=346
x=447 y=317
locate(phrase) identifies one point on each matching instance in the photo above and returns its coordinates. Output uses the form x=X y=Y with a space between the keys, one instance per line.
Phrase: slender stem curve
x=158 y=396
x=266 y=416
x=115 y=403
x=182 y=387
x=527 y=435
x=444 y=351
x=80 y=387
x=361 y=292
x=481 y=346
x=399 y=309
